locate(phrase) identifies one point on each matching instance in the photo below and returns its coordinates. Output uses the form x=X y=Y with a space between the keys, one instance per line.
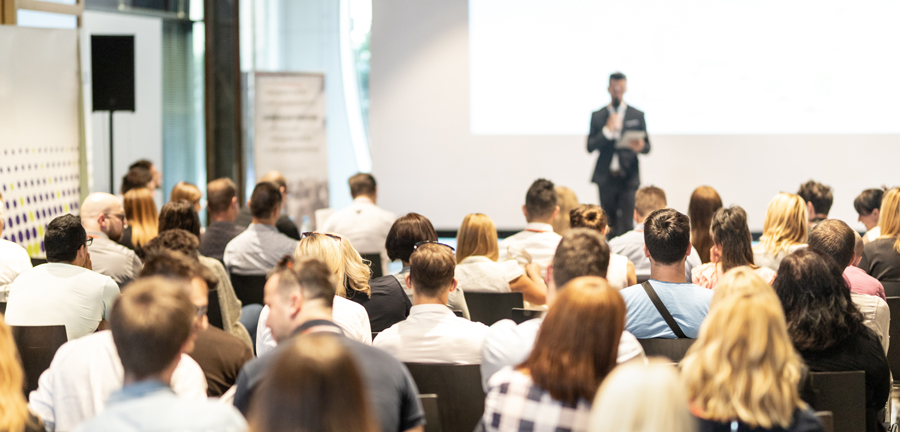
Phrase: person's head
x=137 y=177
x=306 y=284
x=152 y=324
x=589 y=216
x=103 y=212
x=858 y=249
x=731 y=237
x=179 y=215
x=140 y=210
x=582 y=331
x=309 y=387
x=188 y=192
x=14 y=414
x=431 y=270
x=65 y=241
x=406 y=231
x=580 y=252
x=704 y=203
x=177 y=240
x=743 y=366
x=617 y=87
x=667 y=237
x=155 y=175
x=342 y=259
x=868 y=206
x=567 y=201
x=740 y=281
x=816 y=300
x=834 y=238
x=363 y=184
x=221 y=197
x=174 y=265
x=540 y=202
x=786 y=225
x=889 y=221
x=265 y=203
x=818 y=199
x=647 y=200
x=278 y=180
x=477 y=237
x=619 y=405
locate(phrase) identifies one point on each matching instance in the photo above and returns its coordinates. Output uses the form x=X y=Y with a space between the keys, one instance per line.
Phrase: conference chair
x=374 y=260
x=490 y=307
x=827 y=420
x=893 y=354
x=842 y=393
x=891 y=288
x=673 y=349
x=458 y=389
x=37 y=345
x=38 y=261
x=641 y=278
x=432 y=413
x=214 y=310
x=248 y=288
x=520 y=315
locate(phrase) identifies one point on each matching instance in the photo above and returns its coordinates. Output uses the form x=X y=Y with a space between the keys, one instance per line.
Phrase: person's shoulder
x=386 y=283
x=632 y=291
x=507 y=332
x=348 y=306
x=92 y=344
x=635 y=110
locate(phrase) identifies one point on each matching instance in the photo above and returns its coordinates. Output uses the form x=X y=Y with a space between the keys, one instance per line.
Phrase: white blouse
x=481 y=274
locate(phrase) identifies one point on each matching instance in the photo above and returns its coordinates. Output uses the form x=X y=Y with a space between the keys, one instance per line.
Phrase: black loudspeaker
x=112 y=72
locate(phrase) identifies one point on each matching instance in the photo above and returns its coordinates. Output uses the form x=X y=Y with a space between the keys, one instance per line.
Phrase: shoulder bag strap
x=662 y=310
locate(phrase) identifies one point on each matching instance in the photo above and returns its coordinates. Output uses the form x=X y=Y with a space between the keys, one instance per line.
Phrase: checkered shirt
x=515 y=403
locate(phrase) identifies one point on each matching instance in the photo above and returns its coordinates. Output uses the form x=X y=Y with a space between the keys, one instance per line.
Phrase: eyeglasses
x=202 y=310
x=118 y=215
x=88 y=241
x=312 y=233
x=416 y=246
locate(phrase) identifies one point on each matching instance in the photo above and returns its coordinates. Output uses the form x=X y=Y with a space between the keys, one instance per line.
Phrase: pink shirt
x=862 y=283
x=707 y=275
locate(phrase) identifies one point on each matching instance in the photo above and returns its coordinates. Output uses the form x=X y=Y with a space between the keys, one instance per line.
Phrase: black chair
x=458 y=387
x=374 y=260
x=641 y=278
x=520 y=315
x=891 y=288
x=432 y=413
x=249 y=288
x=38 y=261
x=37 y=345
x=374 y=335
x=458 y=313
x=842 y=393
x=214 y=310
x=673 y=349
x=893 y=354
x=827 y=420
x=490 y=307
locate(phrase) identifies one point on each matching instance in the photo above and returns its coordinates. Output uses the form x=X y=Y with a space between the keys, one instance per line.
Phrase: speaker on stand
x=112 y=77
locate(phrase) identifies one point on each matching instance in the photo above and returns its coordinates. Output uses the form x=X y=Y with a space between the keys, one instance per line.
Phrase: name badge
x=632 y=122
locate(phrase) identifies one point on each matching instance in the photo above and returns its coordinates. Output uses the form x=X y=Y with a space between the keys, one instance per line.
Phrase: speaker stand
x=112 y=183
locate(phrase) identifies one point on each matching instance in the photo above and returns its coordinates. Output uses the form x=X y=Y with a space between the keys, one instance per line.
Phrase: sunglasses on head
x=416 y=246
x=312 y=233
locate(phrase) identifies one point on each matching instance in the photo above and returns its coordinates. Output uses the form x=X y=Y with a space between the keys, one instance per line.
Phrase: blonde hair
x=140 y=210
x=14 y=414
x=619 y=405
x=889 y=218
x=738 y=282
x=567 y=200
x=186 y=191
x=343 y=260
x=786 y=223
x=477 y=237
x=743 y=365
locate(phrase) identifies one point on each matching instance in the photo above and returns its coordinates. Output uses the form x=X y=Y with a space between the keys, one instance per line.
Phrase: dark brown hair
x=265 y=199
x=588 y=216
x=667 y=234
x=730 y=231
x=580 y=252
x=175 y=240
x=362 y=184
x=431 y=269
x=179 y=214
x=405 y=233
x=540 y=200
x=309 y=275
x=818 y=194
x=174 y=264
x=834 y=238
x=704 y=203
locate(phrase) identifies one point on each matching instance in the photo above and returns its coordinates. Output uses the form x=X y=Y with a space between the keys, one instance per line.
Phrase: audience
x=14 y=259
x=703 y=205
x=300 y=296
x=256 y=250
x=433 y=333
x=188 y=192
x=818 y=199
x=620 y=273
x=567 y=201
x=574 y=351
x=314 y=384
x=14 y=413
x=868 y=206
x=784 y=230
x=881 y=256
x=363 y=222
x=135 y=178
x=732 y=247
x=537 y=243
x=827 y=329
x=103 y=218
x=153 y=324
x=282 y=223
x=143 y=221
x=222 y=204
x=478 y=270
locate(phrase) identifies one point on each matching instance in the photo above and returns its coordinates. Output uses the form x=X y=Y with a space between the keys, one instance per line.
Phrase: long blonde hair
x=619 y=405
x=140 y=210
x=567 y=200
x=14 y=415
x=889 y=219
x=743 y=365
x=340 y=256
x=787 y=223
x=477 y=237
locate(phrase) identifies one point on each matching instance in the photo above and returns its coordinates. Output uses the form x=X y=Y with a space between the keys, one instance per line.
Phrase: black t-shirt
x=221 y=356
x=216 y=237
x=388 y=304
x=804 y=421
x=881 y=261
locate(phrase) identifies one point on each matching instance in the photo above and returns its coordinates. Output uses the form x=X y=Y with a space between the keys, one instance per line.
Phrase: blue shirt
x=152 y=406
x=688 y=304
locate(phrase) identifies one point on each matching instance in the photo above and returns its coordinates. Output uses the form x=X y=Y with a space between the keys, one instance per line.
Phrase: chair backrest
x=458 y=387
x=214 y=310
x=891 y=288
x=37 y=345
x=673 y=349
x=641 y=278
x=374 y=263
x=520 y=315
x=490 y=307
x=842 y=393
x=893 y=354
x=38 y=261
x=432 y=412
x=827 y=420
x=249 y=288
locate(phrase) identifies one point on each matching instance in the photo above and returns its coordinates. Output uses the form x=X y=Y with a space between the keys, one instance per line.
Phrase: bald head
x=103 y=212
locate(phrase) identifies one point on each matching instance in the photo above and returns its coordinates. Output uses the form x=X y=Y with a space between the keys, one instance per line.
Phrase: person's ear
x=555 y=213
x=647 y=251
x=296 y=304
x=605 y=231
x=234 y=202
x=409 y=281
x=525 y=212
x=636 y=216
x=454 y=284
x=810 y=210
x=690 y=249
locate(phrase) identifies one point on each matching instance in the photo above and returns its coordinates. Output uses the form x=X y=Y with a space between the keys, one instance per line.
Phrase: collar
x=538 y=227
x=138 y=390
x=363 y=200
x=316 y=326
x=430 y=308
x=639 y=228
x=262 y=227
x=476 y=259
x=97 y=234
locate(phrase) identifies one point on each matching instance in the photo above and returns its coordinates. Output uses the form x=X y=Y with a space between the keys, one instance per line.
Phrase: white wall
x=426 y=159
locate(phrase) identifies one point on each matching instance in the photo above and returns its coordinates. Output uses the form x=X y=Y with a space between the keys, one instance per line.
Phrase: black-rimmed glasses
x=312 y=233
x=416 y=246
x=88 y=241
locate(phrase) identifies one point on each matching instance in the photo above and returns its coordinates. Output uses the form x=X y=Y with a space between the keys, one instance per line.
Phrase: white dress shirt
x=14 y=260
x=877 y=316
x=538 y=239
x=257 y=250
x=61 y=294
x=349 y=315
x=433 y=334
x=84 y=372
x=481 y=274
x=631 y=246
x=365 y=225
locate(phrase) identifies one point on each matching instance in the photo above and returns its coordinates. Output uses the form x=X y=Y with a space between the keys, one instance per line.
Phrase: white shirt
x=257 y=250
x=631 y=246
x=617 y=272
x=365 y=225
x=877 y=316
x=349 y=315
x=14 y=260
x=873 y=233
x=481 y=274
x=433 y=334
x=538 y=240
x=57 y=293
x=83 y=374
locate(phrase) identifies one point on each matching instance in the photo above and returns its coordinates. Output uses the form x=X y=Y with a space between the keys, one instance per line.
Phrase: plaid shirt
x=515 y=403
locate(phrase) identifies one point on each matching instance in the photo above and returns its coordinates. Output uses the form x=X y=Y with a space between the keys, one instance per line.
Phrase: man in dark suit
x=617 y=173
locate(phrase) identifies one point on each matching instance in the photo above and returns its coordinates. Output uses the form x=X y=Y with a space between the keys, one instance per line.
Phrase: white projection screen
x=471 y=100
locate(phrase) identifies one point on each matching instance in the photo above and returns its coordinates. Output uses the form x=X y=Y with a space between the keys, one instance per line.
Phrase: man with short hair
x=257 y=250
x=64 y=291
x=284 y=224
x=667 y=243
x=103 y=218
x=14 y=259
x=221 y=199
x=581 y=252
x=300 y=296
x=153 y=324
x=155 y=175
x=818 y=199
x=647 y=200
x=433 y=333
x=137 y=177
x=538 y=239
x=365 y=224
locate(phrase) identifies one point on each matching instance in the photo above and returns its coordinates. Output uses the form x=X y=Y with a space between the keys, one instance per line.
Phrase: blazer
x=628 y=160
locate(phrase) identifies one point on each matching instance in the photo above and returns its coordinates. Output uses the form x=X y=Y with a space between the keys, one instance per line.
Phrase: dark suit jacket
x=628 y=160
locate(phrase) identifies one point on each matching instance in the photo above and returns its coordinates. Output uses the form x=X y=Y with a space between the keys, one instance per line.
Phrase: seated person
x=784 y=231
x=881 y=257
x=103 y=217
x=14 y=259
x=619 y=405
x=282 y=223
x=868 y=207
x=64 y=291
x=818 y=199
x=620 y=273
x=385 y=303
x=538 y=239
x=257 y=250
x=222 y=205
x=667 y=244
x=859 y=281
x=732 y=247
x=433 y=333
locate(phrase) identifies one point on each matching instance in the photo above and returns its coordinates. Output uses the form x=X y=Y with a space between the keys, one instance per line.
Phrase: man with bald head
x=103 y=219
x=284 y=224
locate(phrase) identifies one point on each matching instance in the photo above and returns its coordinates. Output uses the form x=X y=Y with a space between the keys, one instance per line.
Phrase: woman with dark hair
x=704 y=203
x=868 y=207
x=881 y=256
x=827 y=329
x=731 y=247
x=620 y=273
x=574 y=351
x=179 y=214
